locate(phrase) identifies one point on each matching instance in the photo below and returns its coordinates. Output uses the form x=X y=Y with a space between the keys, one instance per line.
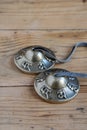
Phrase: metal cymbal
x=54 y=88
x=34 y=59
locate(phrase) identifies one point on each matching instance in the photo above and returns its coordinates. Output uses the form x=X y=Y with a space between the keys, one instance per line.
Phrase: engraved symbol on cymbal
x=18 y=57
x=45 y=91
x=61 y=94
x=73 y=87
x=26 y=65
x=39 y=79
x=41 y=66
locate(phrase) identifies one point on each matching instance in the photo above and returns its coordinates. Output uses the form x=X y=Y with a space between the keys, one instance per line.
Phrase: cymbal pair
x=53 y=85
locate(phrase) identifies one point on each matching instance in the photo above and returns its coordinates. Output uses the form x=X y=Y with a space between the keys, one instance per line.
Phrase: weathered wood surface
x=43 y=14
x=56 y=24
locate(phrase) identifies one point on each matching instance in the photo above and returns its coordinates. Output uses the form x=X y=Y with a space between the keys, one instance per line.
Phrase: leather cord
x=73 y=74
x=68 y=58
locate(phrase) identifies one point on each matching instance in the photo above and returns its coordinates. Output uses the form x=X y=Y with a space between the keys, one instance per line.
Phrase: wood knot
x=84 y=1
x=80 y=109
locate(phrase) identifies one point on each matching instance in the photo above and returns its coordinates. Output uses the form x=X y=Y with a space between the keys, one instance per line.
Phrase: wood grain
x=54 y=14
x=22 y=109
x=58 y=25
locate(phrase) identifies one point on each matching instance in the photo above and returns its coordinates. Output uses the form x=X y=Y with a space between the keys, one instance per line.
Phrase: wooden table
x=56 y=24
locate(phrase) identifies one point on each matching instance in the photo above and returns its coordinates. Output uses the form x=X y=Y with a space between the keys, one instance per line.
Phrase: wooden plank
x=59 y=41
x=22 y=109
x=54 y=14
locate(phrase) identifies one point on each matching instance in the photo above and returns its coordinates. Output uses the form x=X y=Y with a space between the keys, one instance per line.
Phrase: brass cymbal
x=56 y=89
x=34 y=59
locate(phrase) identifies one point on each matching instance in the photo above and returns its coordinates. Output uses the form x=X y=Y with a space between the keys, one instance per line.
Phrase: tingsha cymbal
x=34 y=59
x=53 y=87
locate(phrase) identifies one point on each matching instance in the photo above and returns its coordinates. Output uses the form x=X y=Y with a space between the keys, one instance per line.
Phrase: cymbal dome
x=56 y=83
x=34 y=56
